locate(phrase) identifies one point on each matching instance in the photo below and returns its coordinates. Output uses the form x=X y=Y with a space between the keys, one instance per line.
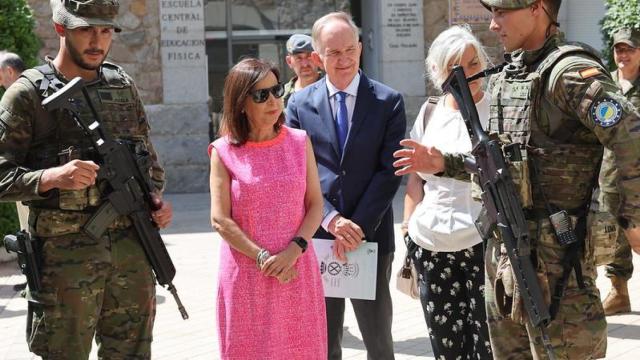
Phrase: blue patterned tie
x=342 y=119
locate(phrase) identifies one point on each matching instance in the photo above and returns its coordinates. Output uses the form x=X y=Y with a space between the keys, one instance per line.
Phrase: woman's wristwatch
x=300 y=241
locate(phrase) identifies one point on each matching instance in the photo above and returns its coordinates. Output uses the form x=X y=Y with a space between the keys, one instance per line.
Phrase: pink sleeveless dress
x=259 y=318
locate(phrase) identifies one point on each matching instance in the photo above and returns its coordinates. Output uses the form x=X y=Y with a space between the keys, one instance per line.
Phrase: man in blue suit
x=355 y=125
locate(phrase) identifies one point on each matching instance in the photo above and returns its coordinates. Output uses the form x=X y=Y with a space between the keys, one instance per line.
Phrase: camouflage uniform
x=289 y=89
x=609 y=199
x=562 y=103
x=105 y=286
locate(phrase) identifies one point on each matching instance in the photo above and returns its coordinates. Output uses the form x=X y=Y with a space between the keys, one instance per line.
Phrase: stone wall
x=180 y=134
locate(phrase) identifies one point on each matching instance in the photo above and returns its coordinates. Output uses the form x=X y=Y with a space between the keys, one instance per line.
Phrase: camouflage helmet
x=507 y=4
x=73 y=14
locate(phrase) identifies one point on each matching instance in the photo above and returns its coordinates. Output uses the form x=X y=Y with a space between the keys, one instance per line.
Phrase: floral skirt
x=452 y=295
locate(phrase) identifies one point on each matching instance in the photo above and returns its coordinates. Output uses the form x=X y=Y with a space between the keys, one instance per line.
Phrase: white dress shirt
x=352 y=94
x=444 y=219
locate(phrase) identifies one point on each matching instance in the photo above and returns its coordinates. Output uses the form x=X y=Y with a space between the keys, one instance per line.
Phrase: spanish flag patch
x=589 y=72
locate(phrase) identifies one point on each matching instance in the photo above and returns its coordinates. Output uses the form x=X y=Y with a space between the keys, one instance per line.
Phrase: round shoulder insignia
x=606 y=112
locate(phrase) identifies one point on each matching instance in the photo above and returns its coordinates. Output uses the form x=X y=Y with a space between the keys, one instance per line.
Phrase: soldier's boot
x=617 y=301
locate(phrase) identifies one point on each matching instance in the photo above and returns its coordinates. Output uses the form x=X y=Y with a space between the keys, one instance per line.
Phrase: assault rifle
x=129 y=184
x=501 y=201
x=26 y=248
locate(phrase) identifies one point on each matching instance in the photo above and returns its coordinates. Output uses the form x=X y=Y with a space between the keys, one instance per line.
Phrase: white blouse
x=444 y=219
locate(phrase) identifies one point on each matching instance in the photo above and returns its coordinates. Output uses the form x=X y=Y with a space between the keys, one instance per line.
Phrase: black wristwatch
x=300 y=241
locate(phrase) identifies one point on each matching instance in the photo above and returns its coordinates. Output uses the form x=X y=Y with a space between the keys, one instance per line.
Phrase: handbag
x=407 y=276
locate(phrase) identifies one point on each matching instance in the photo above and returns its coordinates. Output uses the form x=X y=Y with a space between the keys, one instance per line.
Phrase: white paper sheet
x=354 y=279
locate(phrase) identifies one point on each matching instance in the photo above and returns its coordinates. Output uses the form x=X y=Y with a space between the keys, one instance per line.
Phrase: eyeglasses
x=624 y=50
x=261 y=95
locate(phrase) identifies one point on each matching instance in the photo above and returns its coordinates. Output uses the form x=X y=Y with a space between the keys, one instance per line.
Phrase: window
x=260 y=28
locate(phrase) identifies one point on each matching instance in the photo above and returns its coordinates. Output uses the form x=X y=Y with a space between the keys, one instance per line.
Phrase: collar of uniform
x=635 y=85
x=531 y=57
x=63 y=78
x=49 y=60
x=291 y=84
x=351 y=89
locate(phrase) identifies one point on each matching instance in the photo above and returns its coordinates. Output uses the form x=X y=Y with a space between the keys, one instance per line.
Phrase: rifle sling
x=570 y=262
x=432 y=101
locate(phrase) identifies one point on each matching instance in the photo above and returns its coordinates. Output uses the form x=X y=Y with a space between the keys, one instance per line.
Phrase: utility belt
x=56 y=222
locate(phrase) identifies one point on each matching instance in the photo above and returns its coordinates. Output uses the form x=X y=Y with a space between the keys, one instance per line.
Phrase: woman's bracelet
x=262 y=256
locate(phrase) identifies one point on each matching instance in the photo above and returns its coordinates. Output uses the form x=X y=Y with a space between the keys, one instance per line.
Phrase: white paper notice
x=354 y=279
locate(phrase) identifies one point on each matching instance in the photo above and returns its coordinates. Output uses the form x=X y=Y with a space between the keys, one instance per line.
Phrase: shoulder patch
x=606 y=112
x=589 y=72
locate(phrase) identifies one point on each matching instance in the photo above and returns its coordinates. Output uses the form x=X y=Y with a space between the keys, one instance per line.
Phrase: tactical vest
x=553 y=163
x=57 y=139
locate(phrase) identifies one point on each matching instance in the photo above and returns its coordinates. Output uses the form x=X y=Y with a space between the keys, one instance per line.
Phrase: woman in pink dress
x=266 y=204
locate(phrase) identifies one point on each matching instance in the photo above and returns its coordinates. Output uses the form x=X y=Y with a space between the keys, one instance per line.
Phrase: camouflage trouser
x=622 y=265
x=579 y=330
x=103 y=287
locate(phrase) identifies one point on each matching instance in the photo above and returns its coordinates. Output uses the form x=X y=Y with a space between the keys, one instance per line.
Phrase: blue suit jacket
x=361 y=184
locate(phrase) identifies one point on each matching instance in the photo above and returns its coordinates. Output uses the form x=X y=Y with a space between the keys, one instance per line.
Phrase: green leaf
x=8 y=219
x=17 y=30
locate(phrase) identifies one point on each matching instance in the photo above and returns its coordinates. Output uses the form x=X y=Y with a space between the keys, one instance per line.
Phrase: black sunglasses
x=261 y=95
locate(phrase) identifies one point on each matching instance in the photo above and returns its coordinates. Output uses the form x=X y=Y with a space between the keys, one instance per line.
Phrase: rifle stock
x=501 y=201
x=130 y=187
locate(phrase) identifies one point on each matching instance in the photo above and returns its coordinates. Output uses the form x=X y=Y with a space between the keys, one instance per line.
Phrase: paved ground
x=193 y=247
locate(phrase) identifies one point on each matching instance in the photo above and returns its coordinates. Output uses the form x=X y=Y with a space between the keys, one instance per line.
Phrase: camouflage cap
x=507 y=4
x=73 y=14
x=298 y=43
x=627 y=36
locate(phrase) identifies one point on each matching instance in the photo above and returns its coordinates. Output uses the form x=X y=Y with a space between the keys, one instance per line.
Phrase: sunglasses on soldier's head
x=261 y=95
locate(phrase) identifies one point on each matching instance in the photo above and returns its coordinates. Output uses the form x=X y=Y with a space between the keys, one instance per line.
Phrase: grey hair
x=9 y=59
x=449 y=46
x=323 y=21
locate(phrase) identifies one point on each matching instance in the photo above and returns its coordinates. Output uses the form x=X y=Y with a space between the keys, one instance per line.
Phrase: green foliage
x=8 y=219
x=16 y=30
x=620 y=14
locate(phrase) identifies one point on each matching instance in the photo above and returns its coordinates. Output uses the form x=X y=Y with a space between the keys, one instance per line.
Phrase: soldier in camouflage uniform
x=561 y=105
x=626 y=52
x=299 y=51
x=102 y=287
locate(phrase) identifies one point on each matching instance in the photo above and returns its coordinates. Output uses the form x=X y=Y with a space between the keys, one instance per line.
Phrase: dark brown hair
x=239 y=83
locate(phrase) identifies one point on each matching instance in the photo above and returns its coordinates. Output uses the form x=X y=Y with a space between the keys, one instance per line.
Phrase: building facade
x=179 y=51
